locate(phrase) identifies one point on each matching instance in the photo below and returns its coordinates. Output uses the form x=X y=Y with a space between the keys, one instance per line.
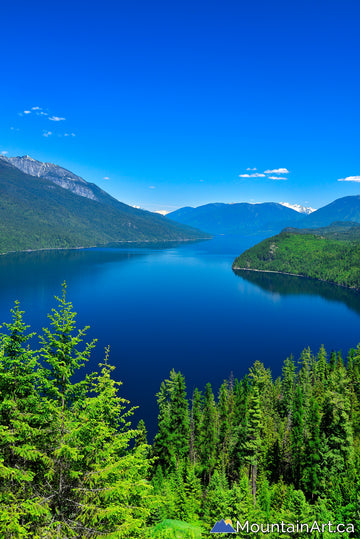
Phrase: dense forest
x=331 y=254
x=261 y=450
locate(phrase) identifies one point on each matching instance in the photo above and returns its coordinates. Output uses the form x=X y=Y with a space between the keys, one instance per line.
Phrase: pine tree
x=287 y=386
x=172 y=442
x=253 y=438
x=195 y=426
x=225 y=420
x=209 y=433
x=23 y=426
x=297 y=436
x=312 y=471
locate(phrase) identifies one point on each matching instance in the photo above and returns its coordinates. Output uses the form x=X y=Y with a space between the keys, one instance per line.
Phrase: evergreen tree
x=253 y=438
x=172 y=441
x=312 y=471
x=209 y=433
x=297 y=436
x=225 y=420
x=287 y=386
x=196 y=426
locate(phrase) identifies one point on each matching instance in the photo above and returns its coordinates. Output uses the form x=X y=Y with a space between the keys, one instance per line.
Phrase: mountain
x=298 y=207
x=37 y=213
x=342 y=209
x=240 y=218
x=60 y=176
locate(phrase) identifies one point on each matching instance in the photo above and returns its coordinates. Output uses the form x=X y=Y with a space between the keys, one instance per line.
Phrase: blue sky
x=174 y=101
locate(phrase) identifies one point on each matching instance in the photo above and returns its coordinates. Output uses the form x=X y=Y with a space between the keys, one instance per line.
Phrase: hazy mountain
x=38 y=213
x=238 y=218
x=298 y=207
x=342 y=209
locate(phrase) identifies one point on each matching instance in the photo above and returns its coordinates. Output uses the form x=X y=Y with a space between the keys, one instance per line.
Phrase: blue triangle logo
x=223 y=527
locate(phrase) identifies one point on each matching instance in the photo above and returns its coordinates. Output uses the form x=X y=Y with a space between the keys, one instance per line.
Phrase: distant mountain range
x=53 y=208
x=241 y=218
x=270 y=218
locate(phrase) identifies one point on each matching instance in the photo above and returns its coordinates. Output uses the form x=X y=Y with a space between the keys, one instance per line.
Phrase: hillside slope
x=331 y=255
x=341 y=209
x=36 y=213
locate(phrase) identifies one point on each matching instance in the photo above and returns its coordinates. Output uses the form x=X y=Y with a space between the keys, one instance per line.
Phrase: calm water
x=183 y=308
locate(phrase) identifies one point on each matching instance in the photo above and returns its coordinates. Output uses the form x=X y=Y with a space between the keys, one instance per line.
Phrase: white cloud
x=107 y=178
x=134 y=205
x=56 y=118
x=4 y=152
x=27 y=111
x=256 y=175
x=277 y=171
x=47 y=133
x=35 y=108
x=350 y=179
x=276 y=178
x=161 y=212
x=69 y=135
x=152 y=187
x=251 y=169
x=42 y=113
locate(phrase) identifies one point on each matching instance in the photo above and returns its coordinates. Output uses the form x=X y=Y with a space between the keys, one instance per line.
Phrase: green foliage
x=324 y=257
x=67 y=468
x=264 y=451
x=38 y=214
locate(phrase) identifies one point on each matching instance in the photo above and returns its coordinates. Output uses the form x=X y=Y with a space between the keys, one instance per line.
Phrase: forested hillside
x=38 y=214
x=261 y=450
x=331 y=254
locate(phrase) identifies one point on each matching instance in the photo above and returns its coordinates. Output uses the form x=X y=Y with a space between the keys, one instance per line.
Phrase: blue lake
x=181 y=307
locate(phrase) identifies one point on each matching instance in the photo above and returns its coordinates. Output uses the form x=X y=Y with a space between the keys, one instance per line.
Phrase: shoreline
x=234 y=268
x=109 y=244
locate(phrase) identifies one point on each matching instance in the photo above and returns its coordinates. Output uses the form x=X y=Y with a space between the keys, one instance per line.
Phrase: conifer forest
x=263 y=450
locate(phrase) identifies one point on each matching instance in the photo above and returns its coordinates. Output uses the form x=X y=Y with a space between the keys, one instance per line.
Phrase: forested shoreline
x=260 y=450
x=332 y=255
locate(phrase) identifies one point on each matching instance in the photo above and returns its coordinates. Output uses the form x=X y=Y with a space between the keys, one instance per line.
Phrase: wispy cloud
x=35 y=108
x=27 y=111
x=277 y=171
x=251 y=168
x=276 y=178
x=56 y=119
x=106 y=178
x=152 y=187
x=69 y=135
x=255 y=175
x=4 y=152
x=350 y=179
x=47 y=133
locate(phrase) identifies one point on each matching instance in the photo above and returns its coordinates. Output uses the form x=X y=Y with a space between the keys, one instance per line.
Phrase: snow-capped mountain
x=299 y=208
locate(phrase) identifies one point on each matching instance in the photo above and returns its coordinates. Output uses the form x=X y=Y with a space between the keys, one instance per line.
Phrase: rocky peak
x=61 y=176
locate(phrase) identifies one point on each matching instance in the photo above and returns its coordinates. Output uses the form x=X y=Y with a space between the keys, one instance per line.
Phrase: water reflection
x=286 y=285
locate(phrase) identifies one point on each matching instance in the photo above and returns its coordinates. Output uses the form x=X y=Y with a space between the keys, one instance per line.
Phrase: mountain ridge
x=36 y=213
x=243 y=217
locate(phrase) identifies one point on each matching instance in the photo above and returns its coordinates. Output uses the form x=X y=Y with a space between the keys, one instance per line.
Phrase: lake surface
x=181 y=307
